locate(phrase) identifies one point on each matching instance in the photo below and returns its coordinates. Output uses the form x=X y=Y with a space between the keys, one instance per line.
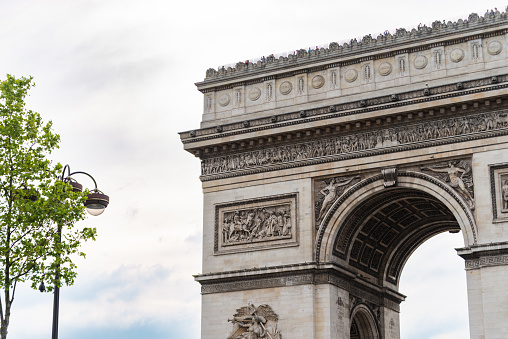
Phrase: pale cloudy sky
x=117 y=79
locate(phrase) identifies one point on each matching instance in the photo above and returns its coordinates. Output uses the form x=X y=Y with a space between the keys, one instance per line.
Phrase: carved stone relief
x=351 y=75
x=402 y=66
x=252 y=322
x=499 y=191
x=256 y=224
x=494 y=47
x=301 y=85
x=285 y=88
x=347 y=143
x=269 y=92
x=254 y=94
x=327 y=191
x=333 y=79
x=366 y=73
x=385 y=68
x=437 y=56
x=420 y=62
x=224 y=100
x=457 y=55
x=238 y=98
x=318 y=81
x=458 y=175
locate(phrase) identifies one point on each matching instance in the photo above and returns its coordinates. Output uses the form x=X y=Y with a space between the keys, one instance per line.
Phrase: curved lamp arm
x=96 y=201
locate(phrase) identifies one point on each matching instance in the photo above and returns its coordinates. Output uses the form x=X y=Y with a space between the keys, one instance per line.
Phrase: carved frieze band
x=256 y=224
x=303 y=278
x=496 y=260
x=353 y=145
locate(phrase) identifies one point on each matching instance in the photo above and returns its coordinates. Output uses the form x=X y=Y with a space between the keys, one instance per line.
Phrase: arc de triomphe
x=323 y=170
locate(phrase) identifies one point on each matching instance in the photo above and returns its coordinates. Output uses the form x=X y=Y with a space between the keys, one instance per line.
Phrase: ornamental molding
x=306 y=276
x=487 y=261
x=349 y=108
x=401 y=136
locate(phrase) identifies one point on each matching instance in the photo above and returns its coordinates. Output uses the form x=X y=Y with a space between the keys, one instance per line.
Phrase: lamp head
x=96 y=203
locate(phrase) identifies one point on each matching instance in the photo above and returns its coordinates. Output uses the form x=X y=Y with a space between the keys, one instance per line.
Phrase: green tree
x=34 y=201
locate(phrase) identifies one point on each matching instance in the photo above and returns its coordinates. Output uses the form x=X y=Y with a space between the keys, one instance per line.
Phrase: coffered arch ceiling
x=382 y=232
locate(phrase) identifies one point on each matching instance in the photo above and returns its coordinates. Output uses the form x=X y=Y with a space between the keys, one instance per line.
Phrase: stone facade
x=322 y=171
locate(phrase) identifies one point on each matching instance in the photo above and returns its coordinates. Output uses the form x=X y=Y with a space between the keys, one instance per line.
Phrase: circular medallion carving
x=318 y=81
x=420 y=62
x=385 y=68
x=494 y=47
x=254 y=94
x=285 y=88
x=457 y=55
x=224 y=100
x=351 y=75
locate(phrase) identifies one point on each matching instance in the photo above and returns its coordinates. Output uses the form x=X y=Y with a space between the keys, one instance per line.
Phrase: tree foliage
x=34 y=202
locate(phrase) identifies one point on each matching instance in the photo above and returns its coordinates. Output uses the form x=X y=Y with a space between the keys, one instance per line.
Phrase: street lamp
x=96 y=202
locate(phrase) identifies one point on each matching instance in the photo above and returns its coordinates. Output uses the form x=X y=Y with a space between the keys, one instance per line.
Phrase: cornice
x=402 y=99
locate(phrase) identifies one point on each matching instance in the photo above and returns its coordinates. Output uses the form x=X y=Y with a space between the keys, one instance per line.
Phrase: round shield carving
x=224 y=100
x=385 y=68
x=457 y=55
x=420 y=62
x=285 y=88
x=351 y=75
x=318 y=81
x=254 y=94
x=494 y=48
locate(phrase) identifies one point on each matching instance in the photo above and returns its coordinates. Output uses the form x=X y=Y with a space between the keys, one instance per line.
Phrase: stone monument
x=323 y=170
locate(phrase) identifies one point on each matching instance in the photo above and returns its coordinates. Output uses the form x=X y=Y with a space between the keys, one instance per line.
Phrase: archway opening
x=381 y=233
x=363 y=325
x=435 y=284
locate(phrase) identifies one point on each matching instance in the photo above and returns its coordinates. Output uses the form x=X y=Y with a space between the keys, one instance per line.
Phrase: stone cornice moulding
x=482 y=255
x=357 y=107
x=298 y=274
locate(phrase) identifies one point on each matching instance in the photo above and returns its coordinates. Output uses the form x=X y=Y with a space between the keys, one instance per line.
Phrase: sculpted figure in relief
x=256 y=224
x=456 y=173
x=504 y=191
x=331 y=192
x=403 y=134
x=250 y=322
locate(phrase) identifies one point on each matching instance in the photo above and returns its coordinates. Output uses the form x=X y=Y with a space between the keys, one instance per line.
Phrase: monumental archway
x=324 y=170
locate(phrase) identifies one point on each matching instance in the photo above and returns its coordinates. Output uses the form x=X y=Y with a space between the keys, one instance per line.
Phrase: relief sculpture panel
x=341 y=145
x=256 y=224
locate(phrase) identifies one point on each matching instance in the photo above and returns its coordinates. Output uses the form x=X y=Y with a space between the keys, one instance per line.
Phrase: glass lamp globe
x=96 y=203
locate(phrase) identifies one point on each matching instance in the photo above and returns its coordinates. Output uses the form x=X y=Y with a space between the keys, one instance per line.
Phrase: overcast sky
x=117 y=77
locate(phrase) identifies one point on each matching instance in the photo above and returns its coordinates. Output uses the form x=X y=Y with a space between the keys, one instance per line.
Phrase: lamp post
x=95 y=204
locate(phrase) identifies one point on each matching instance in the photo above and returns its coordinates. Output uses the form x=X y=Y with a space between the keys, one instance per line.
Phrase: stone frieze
x=357 y=144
